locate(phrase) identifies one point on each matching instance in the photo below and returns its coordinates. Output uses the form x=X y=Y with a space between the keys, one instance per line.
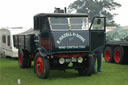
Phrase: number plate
x=71 y=60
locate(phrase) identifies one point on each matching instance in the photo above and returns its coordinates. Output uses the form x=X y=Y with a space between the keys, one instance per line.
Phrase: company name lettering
x=68 y=35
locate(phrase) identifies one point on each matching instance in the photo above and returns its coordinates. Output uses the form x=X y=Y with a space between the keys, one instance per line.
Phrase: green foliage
x=112 y=74
x=96 y=8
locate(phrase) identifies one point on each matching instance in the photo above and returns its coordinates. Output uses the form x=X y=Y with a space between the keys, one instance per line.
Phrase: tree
x=96 y=8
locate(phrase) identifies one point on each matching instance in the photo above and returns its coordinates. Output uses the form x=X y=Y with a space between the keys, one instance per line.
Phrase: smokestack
x=58 y=10
x=65 y=10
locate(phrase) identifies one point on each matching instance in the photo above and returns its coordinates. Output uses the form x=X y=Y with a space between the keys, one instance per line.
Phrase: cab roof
x=61 y=15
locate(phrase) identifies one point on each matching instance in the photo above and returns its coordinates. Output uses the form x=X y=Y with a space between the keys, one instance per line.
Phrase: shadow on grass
x=68 y=74
x=58 y=74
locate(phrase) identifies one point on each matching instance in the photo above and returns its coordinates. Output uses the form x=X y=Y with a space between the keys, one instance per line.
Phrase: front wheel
x=41 y=66
x=88 y=69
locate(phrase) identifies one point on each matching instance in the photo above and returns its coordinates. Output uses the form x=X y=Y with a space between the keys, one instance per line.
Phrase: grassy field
x=112 y=74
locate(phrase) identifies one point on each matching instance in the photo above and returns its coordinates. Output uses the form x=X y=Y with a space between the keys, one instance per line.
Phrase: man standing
x=97 y=57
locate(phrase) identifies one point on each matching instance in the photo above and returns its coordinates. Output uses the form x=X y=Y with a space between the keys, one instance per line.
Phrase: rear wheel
x=41 y=66
x=118 y=55
x=108 y=54
x=88 y=69
x=24 y=59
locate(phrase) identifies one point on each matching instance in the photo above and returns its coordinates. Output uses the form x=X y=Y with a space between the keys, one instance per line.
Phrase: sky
x=19 y=13
x=122 y=17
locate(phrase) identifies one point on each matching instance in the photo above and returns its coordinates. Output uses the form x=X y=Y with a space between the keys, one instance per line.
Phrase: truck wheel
x=41 y=66
x=108 y=54
x=24 y=59
x=118 y=55
x=88 y=69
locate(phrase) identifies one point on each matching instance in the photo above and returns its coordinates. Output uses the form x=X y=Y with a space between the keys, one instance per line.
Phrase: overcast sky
x=20 y=12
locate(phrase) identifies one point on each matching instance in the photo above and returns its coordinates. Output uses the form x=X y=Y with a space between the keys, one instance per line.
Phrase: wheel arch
x=43 y=52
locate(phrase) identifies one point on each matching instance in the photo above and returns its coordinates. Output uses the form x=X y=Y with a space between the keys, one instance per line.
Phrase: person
x=98 y=58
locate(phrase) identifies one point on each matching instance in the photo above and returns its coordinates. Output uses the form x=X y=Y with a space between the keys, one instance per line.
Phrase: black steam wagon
x=60 y=41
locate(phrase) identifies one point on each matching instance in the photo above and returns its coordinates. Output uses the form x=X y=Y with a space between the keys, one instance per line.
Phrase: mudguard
x=43 y=52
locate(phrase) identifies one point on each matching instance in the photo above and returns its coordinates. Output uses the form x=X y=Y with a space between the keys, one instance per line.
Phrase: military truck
x=60 y=41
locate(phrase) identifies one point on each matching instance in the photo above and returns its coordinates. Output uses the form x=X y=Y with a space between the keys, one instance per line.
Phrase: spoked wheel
x=41 y=66
x=118 y=55
x=24 y=59
x=88 y=67
x=108 y=54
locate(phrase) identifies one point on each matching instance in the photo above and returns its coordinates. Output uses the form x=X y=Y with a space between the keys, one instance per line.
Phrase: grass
x=112 y=74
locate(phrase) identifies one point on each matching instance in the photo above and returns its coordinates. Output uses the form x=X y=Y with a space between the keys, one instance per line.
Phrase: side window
x=8 y=40
x=98 y=24
x=4 y=39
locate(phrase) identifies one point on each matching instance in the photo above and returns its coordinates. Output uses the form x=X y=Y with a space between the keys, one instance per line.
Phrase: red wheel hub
x=39 y=66
x=20 y=59
x=117 y=55
x=107 y=55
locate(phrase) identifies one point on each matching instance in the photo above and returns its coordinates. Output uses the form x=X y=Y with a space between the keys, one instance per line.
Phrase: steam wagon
x=60 y=41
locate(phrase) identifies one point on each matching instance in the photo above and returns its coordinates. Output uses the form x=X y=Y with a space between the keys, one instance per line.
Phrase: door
x=9 y=50
x=97 y=32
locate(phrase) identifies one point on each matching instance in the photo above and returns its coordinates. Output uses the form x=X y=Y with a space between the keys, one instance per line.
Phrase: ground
x=112 y=74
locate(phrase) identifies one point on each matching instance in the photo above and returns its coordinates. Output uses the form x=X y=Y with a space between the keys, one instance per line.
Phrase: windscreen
x=71 y=23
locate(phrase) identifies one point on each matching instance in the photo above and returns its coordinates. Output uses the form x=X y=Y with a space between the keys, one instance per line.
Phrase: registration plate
x=71 y=60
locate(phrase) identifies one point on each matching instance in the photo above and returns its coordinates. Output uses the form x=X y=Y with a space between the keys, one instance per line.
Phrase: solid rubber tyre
x=24 y=59
x=41 y=66
x=88 y=69
x=119 y=55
